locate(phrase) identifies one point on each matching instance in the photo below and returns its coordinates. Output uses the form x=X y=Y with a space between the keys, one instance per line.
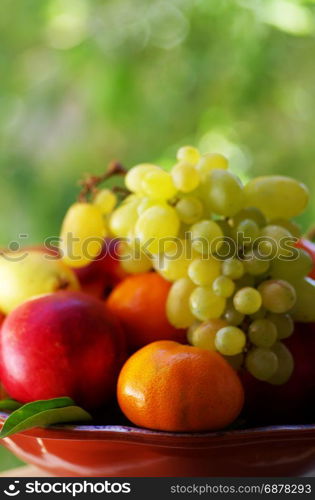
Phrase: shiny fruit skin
x=203 y=336
x=136 y=174
x=309 y=246
x=172 y=387
x=156 y=225
x=304 y=310
x=85 y=224
x=274 y=196
x=102 y=274
x=292 y=402
x=177 y=305
x=62 y=344
x=139 y=302
x=224 y=193
x=189 y=154
x=28 y=273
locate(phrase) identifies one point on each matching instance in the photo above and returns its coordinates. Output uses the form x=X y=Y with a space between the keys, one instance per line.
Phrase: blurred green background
x=86 y=81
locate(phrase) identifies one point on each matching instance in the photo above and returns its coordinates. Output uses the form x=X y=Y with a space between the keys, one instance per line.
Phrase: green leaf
x=43 y=413
x=9 y=404
x=30 y=409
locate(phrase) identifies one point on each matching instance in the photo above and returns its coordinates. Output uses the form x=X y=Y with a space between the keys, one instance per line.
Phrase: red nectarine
x=61 y=344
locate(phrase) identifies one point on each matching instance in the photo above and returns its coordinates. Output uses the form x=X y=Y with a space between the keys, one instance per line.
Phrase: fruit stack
x=183 y=286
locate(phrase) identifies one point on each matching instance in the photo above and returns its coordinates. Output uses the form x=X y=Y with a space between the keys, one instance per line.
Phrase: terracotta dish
x=120 y=451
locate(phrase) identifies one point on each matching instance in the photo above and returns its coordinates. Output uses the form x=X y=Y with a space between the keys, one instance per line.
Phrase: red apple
x=100 y=276
x=293 y=402
x=61 y=344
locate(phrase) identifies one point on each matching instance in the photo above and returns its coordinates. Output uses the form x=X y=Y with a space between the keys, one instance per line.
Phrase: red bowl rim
x=169 y=439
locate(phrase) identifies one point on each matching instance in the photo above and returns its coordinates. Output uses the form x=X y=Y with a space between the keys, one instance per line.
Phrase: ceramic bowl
x=123 y=451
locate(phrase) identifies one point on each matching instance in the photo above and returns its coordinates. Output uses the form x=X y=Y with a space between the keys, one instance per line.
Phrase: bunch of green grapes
x=238 y=279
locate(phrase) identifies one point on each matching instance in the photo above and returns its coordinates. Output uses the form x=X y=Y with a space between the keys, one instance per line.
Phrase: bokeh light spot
x=67 y=23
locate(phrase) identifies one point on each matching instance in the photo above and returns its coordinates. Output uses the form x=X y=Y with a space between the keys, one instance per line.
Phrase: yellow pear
x=82 y=234
x=24 y=275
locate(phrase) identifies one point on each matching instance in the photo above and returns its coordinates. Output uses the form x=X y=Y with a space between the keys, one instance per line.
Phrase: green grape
x=230 y=340
x=135 y=176
x=262 y=363
x=233 y=269
x=141 y=265
x=185 y=177
x=247 y=300
x=246 y=232
x=122 y=221
x=232 y=316
x=277 y=196
x=290 y=225
x=251 y=213
x=173 y=263
x=106 y=200
x=131 y=198
x=189 y=154
x=82 y=233
x=156 y=226
x=203 y=336
x=211 y=161
x=228 y=247
x=275 y=241
x=205 y=305
x=207 y=237
x=304 y=310
x=262 y=333
x=191 y=329
x=285 y=364
x=223 y=193
x=177 y=305
x=133 y=260
x=158 y=185
x=223 y=286
x=189 y=209
x=144 y=203
x=203 y=272
x=235 y=361
x=283 y=323
x=254 y=265
x=294 y=269
x=278 y=296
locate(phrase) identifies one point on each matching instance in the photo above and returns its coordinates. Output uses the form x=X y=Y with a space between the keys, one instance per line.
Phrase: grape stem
x=89 y=185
